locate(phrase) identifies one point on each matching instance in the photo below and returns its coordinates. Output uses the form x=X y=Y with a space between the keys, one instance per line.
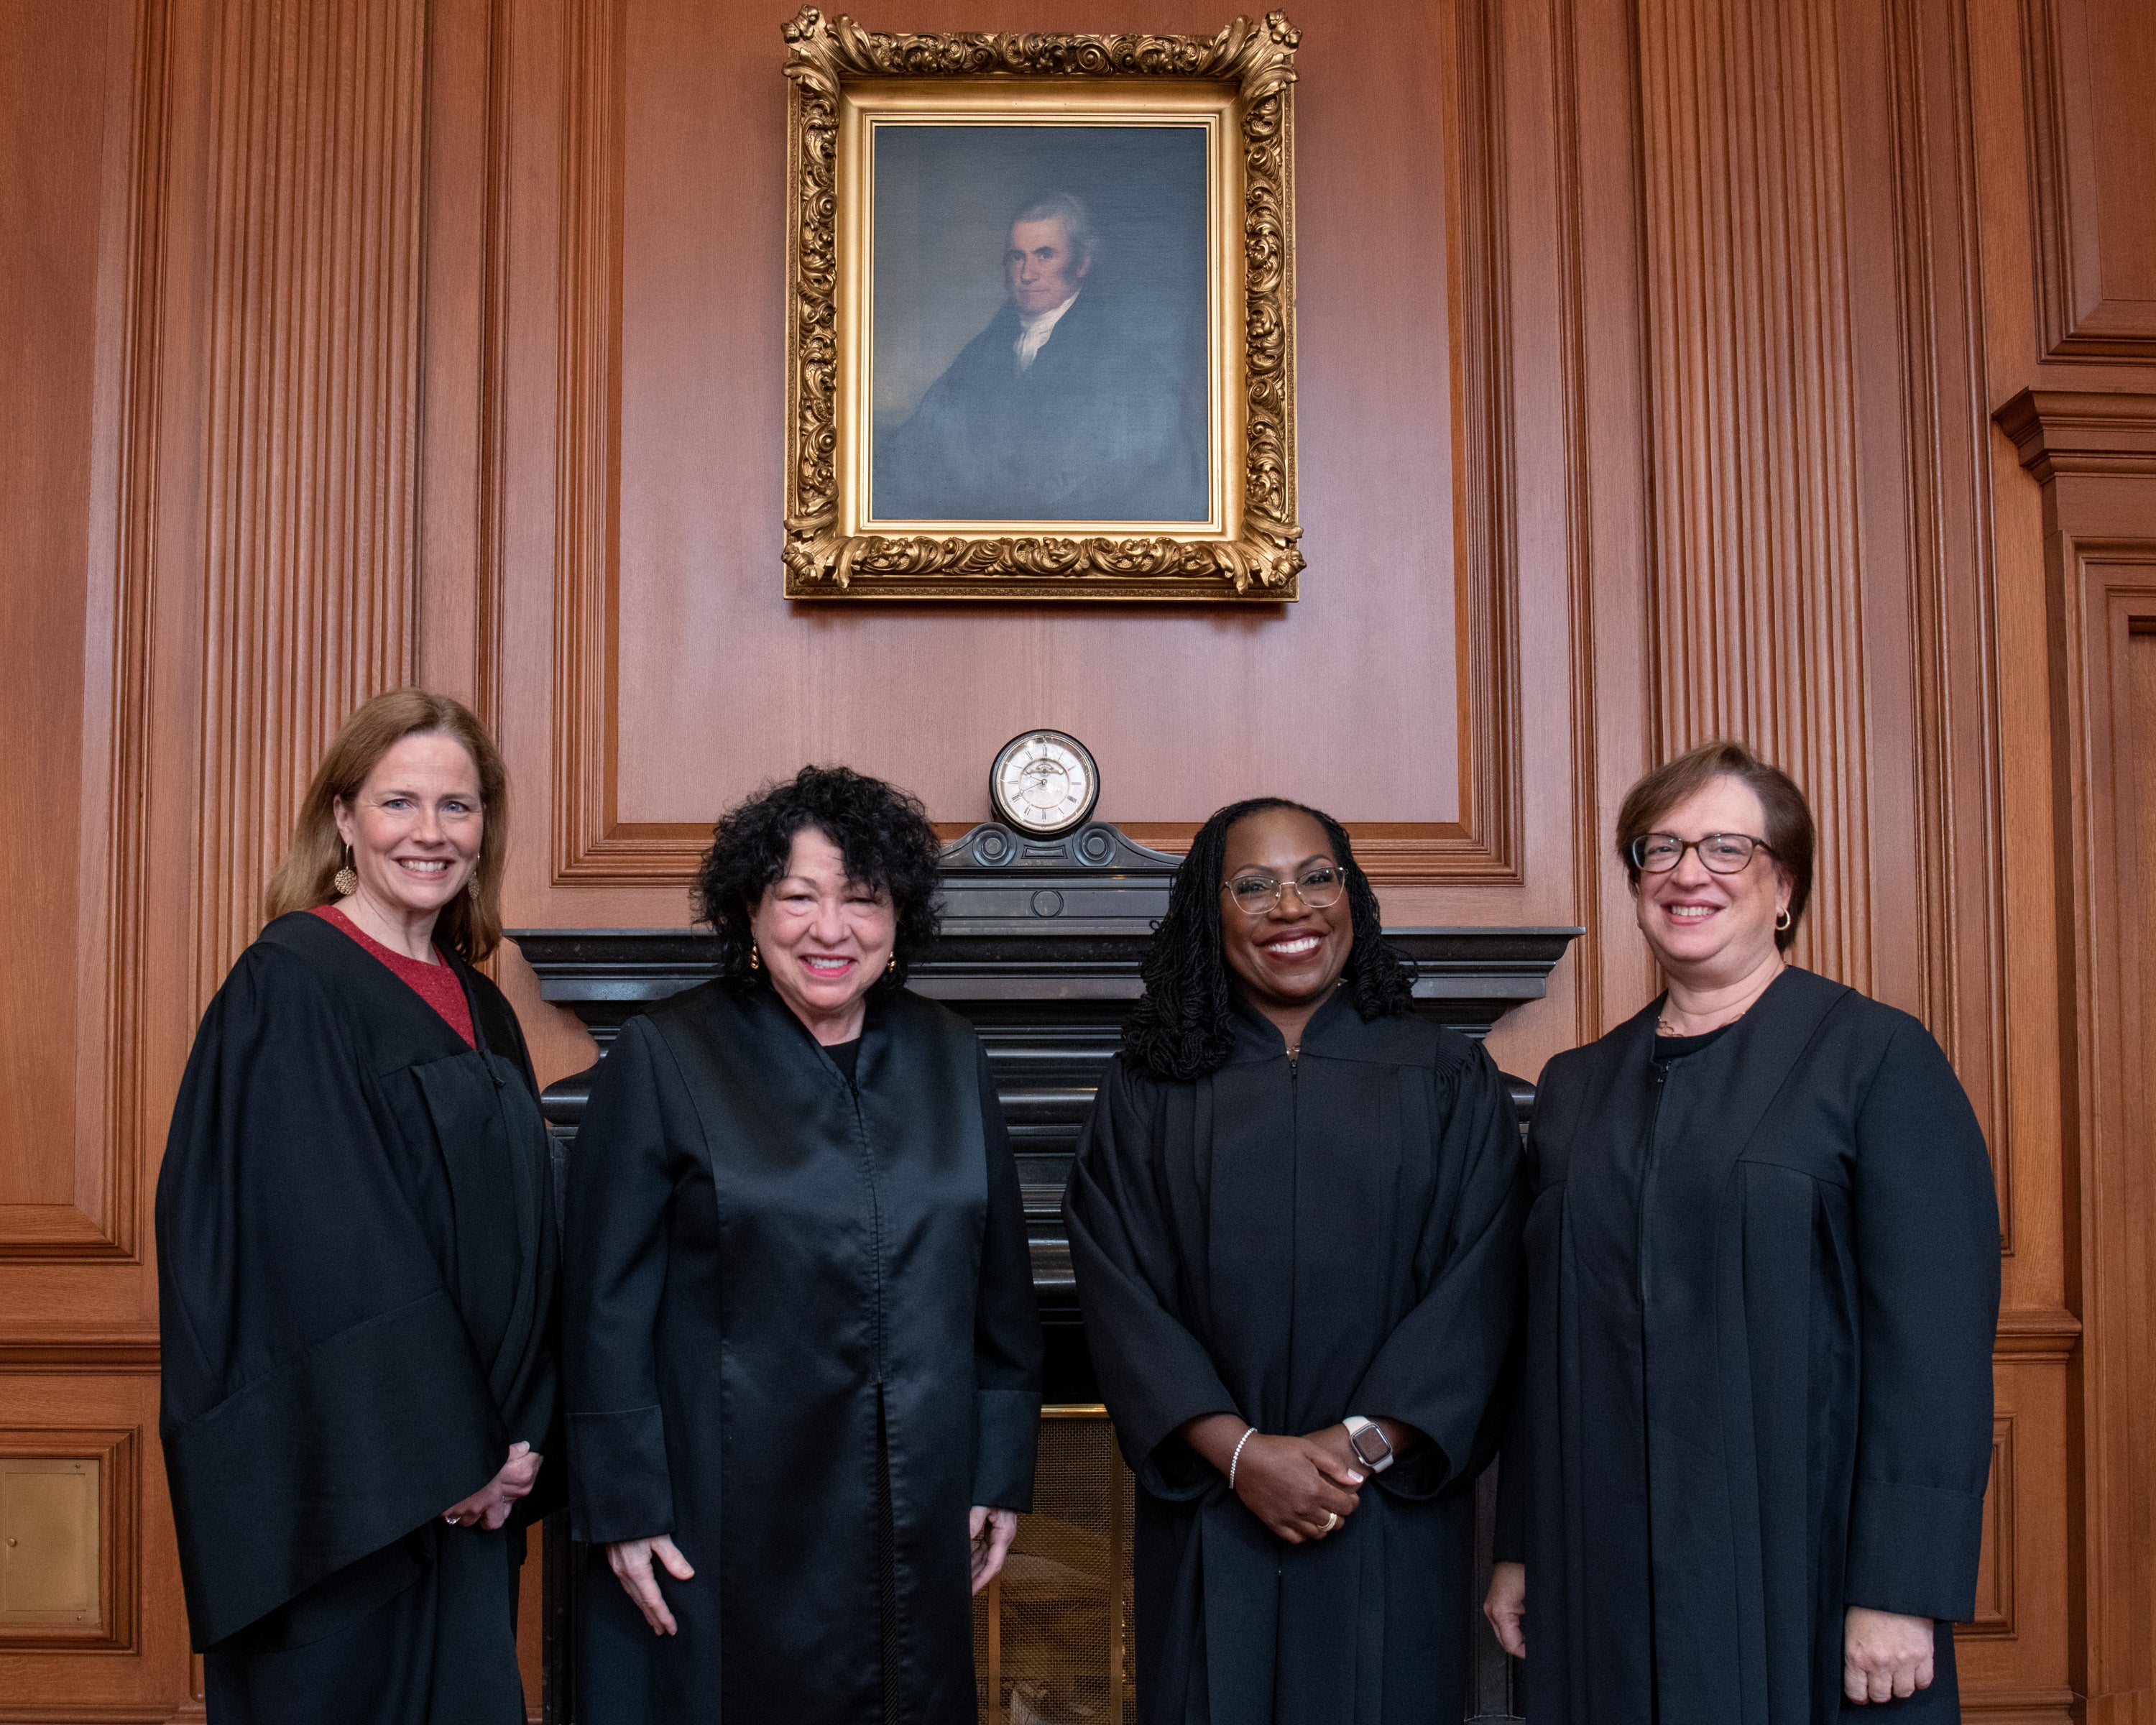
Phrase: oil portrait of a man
x=1079 y=394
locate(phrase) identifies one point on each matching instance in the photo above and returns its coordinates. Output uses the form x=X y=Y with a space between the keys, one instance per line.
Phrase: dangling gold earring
x=755 y=958
x=891 y=965
x=471 y=885
x=346 y=881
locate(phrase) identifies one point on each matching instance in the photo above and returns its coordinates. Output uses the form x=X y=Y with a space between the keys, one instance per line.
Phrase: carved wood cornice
x=2057 y=431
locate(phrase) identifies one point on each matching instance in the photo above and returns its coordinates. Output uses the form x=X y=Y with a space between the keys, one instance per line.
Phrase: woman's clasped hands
x=1300 y=1487
x=1297 y=1486
x=489 y=1507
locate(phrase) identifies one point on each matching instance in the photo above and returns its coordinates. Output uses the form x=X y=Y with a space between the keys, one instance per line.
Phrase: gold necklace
x=1663 y=1027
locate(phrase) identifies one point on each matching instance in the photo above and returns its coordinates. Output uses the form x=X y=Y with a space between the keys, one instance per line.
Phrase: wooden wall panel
x=664 y=581
x=64 y=1189
x=2090 y=65
x=2095 y=457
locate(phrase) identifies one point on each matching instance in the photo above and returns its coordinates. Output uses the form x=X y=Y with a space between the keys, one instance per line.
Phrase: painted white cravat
x=1032 y=333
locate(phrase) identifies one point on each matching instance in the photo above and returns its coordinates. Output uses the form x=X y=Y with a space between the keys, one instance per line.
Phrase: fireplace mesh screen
x=1052 y=1635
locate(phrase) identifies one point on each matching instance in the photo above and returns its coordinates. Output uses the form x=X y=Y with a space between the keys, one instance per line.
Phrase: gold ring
x=1332 y=1521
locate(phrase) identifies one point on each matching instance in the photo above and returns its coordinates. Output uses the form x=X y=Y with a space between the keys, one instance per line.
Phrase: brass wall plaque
x=50 y=1542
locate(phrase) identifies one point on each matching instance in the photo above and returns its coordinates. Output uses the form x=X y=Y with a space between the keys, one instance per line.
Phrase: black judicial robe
x=1763 y=1282
x=789 y=1297
x=1293 y=1243
x=355 y=1260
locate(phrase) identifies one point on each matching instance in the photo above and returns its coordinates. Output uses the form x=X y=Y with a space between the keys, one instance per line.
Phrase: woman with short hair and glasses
x=1293 y=1219
x=1746 y=1477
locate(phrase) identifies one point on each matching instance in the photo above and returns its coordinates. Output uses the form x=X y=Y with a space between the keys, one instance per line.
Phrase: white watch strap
x=1356 y=1425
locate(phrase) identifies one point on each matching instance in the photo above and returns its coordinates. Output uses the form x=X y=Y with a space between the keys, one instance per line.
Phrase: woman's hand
x=630 y=1560
x=1885 y=1656
x=1506 y=1606
x=489 y=1506
x=990 y=1531
x=1292 y=1484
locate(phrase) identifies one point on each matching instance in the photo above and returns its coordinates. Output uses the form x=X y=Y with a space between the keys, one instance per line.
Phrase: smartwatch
x=1369 y=1443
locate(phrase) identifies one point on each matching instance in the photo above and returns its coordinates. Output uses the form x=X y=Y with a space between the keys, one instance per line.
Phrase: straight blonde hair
x=470 y=924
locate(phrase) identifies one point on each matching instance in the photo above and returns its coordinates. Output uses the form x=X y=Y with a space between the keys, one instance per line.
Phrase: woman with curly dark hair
x=1294 y=1217
x=803 y=1359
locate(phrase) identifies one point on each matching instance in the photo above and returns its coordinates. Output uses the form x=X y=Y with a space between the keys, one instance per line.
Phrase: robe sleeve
x=1007 y=1343
x=321 y=1397
x=1926 y=1236
x=1443 y=1367
x=1155 y=1374
x=614 y=1257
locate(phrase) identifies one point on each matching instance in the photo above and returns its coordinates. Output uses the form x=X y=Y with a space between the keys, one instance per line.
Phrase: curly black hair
x=1181 y=1027
x=882 y=832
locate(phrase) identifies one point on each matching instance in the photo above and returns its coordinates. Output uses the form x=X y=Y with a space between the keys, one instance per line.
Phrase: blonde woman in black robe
x=1295 y=1220
x=1747 y=1479
x=356 y=1261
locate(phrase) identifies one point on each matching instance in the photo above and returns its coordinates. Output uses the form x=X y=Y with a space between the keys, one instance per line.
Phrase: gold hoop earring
x=755 y=958
x=1782 y=923
x=346 y=880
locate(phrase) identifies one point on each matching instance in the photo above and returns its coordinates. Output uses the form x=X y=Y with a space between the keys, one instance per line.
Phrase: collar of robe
x=771 y=1005
x=381 y=997
x=1258 y=1037
x=1750 y=1065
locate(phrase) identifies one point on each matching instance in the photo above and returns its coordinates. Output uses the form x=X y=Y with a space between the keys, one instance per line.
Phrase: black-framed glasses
x=1319 y=886
x=1723 y=853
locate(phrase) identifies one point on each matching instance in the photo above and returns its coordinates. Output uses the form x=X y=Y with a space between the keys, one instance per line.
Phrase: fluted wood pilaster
x=310 y=572
x=1756 y=594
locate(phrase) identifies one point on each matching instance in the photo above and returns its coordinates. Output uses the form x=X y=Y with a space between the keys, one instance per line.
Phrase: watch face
x=1045 y=783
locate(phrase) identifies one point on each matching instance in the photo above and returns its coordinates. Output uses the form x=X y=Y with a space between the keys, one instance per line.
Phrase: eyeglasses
x=1319 y=886
x=1723 y=853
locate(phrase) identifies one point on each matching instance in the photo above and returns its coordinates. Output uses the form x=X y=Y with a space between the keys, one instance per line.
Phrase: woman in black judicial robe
x=356 y=1261
x=804 y=1357
x=1746 y=1481
x=1296 y=1208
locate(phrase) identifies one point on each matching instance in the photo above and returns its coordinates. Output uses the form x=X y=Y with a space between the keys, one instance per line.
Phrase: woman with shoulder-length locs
x=1746 y=1478
x=803 y=1357
x=1295 y=1220
x=355 y=1260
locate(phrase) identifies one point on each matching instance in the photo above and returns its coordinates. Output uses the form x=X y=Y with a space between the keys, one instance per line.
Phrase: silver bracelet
x=1245 y=1438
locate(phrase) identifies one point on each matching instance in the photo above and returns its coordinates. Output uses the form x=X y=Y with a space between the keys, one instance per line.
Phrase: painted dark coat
x=1294 y=1242
x=1103 y=426
x=356 y=1259
x=1764 y=1285
x=777 y=1285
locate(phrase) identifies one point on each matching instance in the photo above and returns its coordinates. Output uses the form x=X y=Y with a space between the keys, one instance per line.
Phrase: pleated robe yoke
x=1296 y=1242
x=1710 y=1270
x=357 y=1258
x=800 y=1329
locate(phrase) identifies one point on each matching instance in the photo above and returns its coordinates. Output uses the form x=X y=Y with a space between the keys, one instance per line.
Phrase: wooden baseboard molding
x=2018 y=1707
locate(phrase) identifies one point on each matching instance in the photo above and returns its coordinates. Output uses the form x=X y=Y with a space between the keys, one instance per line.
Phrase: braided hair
x=1182 y=1027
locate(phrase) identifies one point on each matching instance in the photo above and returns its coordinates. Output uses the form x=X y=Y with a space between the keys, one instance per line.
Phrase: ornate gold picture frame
x=1040 y=323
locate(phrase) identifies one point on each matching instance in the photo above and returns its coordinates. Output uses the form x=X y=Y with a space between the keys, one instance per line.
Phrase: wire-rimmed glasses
x=1319 y=886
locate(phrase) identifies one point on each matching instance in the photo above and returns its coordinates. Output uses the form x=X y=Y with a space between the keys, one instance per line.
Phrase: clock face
x=1044 y=782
